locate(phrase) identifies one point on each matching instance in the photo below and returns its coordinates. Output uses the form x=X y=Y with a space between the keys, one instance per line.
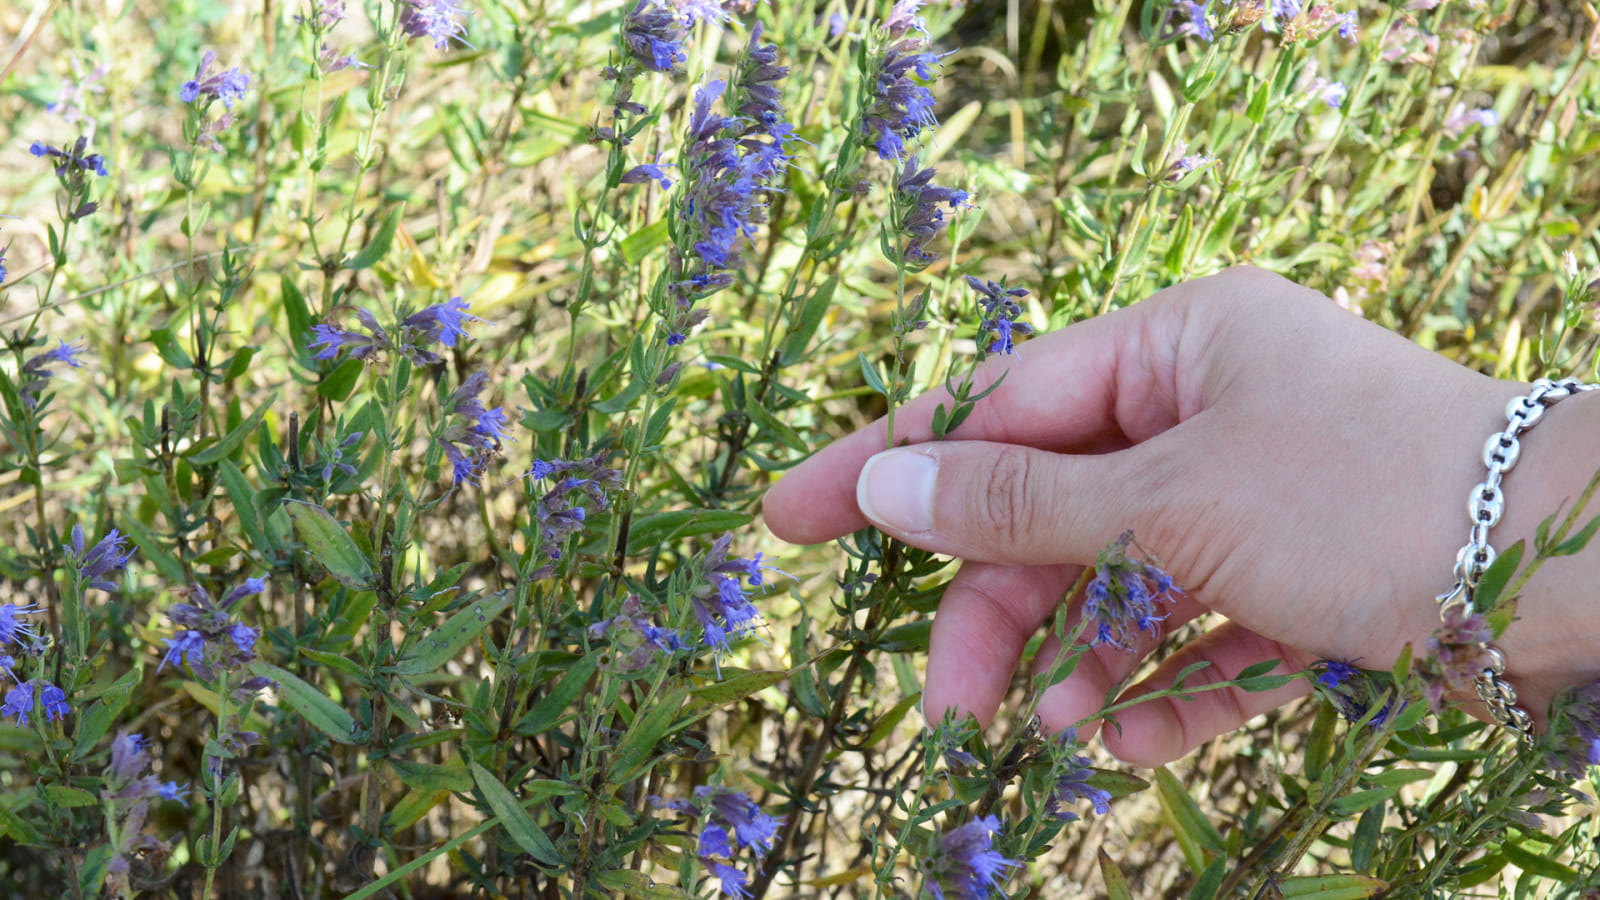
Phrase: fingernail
x=896 y=490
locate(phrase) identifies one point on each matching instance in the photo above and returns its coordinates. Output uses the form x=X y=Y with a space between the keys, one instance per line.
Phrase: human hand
x=1297 y=469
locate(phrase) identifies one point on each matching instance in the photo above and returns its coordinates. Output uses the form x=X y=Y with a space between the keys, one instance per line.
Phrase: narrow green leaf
x=327 y=541
x=1576 y=543
x=733 y=689
x=811 y=313
x=374 y=252
x=886 y=723
x=154 y=551
x=231 y=441
x=102 y=714
x=337 y=384
x=311 y=704
x=870 y=373
x=552 y=707
x=1197 y=837
x=1116 y=882
x=1210 y=881
x=15 y=827
x=431 y=653
x=335 y=661
x=431 y=776
x=653 y=531
x=1497 y=576
x=1539 y=863
x=516 y=820
x=635 y=247
x=1357 y=801
x=295 y=310
x=643 y=739
x=1331 y=887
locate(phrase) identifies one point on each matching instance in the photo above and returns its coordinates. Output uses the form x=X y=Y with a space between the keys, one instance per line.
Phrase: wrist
x=1553 y=643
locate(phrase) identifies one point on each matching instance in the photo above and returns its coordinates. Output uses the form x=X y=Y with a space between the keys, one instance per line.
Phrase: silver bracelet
x=1484 y=507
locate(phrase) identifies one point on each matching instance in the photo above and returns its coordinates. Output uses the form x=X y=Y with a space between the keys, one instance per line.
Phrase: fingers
x=988 y=613
x=1157 y=732
x=1007 y=504
x=1104 y=382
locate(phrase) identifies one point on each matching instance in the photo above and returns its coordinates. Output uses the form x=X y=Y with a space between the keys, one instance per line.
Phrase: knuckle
x=1002 y=509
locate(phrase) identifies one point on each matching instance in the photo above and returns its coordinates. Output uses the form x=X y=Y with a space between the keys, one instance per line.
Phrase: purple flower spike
x=439 y=21
x=32 y=696
x=104 y=559
x=965 y=862
x=654 y=33
x=1119 y=600
x=227 y=87
x=442 y=322
x=11 y=628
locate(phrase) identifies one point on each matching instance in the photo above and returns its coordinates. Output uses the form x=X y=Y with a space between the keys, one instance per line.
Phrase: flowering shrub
x=420 y=366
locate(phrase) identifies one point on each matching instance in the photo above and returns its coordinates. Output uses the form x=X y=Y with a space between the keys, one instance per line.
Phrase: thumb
x=1008 y=504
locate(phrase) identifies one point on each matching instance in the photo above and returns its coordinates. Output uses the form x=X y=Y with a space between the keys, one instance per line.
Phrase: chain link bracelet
x=1485 y=505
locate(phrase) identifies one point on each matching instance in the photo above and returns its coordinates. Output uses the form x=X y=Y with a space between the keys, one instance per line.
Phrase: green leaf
x=650 y=532
x=552 y=707
x=431 y=653
x=431 y=776
x=886 y=723
x=1497 y=576
x=1197 y=837
x=733 y=689
x=1577 y=542
x=808 y=320
x=870 y=373
x=635 y=247
x=374 y=252
x=17 y=829
x=311 y=704
x=337 y=384
x=327 y=541
x=336 y=661
x=231 y=441
x=152 y=550
x=98 y=718
x=642 y=741
x=1357 y=801
x=1116 y=882
x=1331 y=887
x=1539 y=863
x=516 y=821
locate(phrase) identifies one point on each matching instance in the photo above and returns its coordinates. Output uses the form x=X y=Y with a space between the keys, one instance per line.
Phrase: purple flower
x=965 y=862
x=730 y=881
x=1000 y=310
x=1119 y=599
x=1284 y=10
x=1353 y=691
x=38 y=370
x=733 y=810
x=1332 y=93
x=654 y=33
x=11 y=628
x=32 y=696
x=1196 y=23
x=721 y=604
x=74 y=162
x=1347 y=26
x=330 y=340
x=3 y=271
x=442 y=322
x=227 y=87
x=917 y=216
x=903 y=18
x=436 y=20
x=1574 y=738
x=635 y=640
x=105 y=558
x=646 y=172
x=1461 y=118
x=474 y=437
x=1455 y=655
x=901 y=107
x=211 y=638
x=1073 y=785
x=129 y=756
x=558 y=518
x=702 y=10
